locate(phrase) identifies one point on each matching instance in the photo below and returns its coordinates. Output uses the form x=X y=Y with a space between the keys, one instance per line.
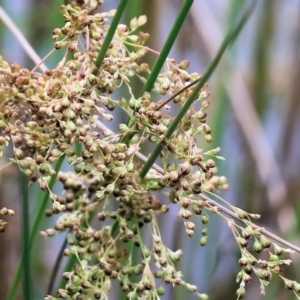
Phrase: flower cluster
x=60 y=114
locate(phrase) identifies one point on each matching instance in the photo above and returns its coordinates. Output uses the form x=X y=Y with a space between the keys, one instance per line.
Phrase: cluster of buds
x=8 y=212
x=262 y=269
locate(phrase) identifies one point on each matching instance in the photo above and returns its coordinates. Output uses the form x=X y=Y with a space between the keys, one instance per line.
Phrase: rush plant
x=60 y=114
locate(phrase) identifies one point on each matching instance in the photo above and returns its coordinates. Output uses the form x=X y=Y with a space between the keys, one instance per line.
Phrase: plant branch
x=248 y=223
x=230 y=37
x=176 y=94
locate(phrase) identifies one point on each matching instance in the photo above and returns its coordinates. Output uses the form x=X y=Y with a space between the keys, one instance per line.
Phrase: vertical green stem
x=231 y=35
x=164 y=54
x=35 y=227
x=25 y=238
x=168 y=45
x=78 y=149
x=110 y=33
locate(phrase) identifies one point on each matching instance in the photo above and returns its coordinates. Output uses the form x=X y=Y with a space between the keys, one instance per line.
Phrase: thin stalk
x=25 y=238
x=230 y=37
x=110 y=33
x=35 y=227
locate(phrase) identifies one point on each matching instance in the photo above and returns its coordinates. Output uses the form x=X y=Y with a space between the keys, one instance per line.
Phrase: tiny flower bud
x=173 y=176
x=278 y=250
x=297 y=287
x=205 y=219
x=243 y=261
x=257 y=246
x=123 y=127
x=265 y=242
x=191 y=288
x=160 y=291
x=10 y=212
x=242 y=241
x=190 y=225
x=204 y=94
x=205 y=104
x=184 y=64
x=203 y=241
x=274 y=258
x=185 y=168
x=161 y=128
x=133 y=23
x=241 y=292
x=189 y=232
x=175 y=256
x=3 y=211
x=184 y=213
x=289 y=284
x=50 y=232
x=208 y=138
x=239 y=276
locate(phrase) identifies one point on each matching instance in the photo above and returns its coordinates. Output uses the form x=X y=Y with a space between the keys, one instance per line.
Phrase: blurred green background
x=254 y=114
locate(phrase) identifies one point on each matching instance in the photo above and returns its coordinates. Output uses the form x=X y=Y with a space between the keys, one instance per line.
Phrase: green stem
x=25 y=238
x=163 y=55
x=110 y=33
x=230 y=37
x=168 y=45
x=35 y=227
x=78 y=149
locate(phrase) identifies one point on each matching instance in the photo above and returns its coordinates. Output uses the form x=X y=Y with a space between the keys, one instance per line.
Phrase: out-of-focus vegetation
x=255 y=114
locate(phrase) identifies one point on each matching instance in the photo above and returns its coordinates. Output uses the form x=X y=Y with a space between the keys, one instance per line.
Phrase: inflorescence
x=43 y=116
